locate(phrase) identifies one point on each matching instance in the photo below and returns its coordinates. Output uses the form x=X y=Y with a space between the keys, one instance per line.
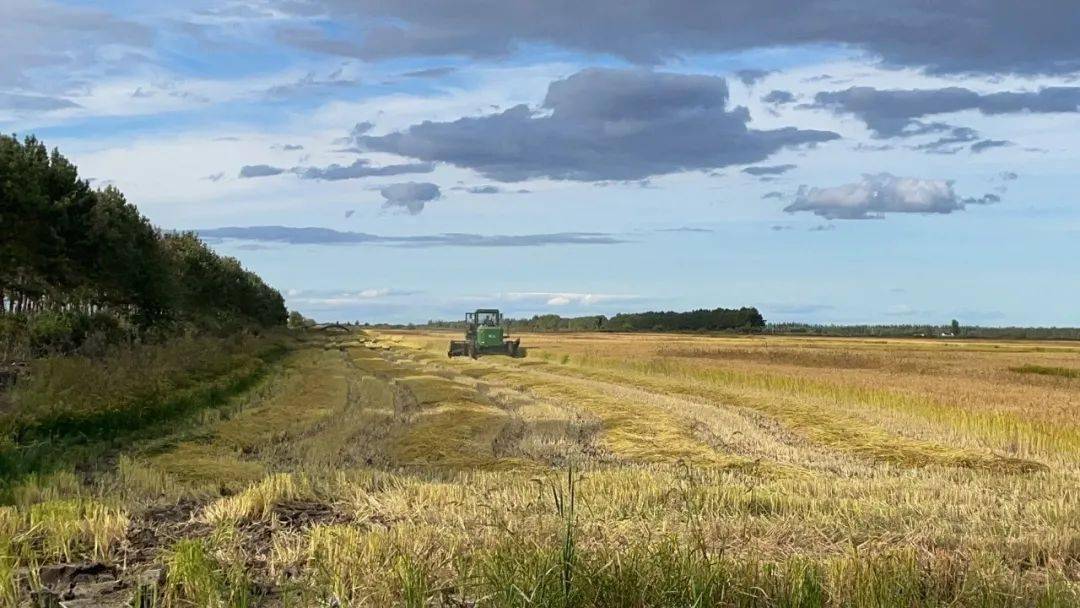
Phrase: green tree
x=66 y=249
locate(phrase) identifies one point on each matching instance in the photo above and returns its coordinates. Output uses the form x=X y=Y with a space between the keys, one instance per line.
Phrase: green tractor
x=485 y=335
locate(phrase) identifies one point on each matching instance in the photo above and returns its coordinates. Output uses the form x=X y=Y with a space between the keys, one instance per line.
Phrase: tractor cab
x=484 y=334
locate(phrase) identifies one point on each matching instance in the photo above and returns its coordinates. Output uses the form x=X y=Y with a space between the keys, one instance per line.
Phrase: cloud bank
x=326 y=236
x=357 y=169
x=360 y=168
x=601 y=124
x=894 y=113
x=989 y=36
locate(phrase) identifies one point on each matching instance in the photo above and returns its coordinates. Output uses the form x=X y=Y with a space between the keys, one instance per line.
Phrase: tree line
x=72 y=256
x=717 y=319
x=953 y=329
x=750 y=319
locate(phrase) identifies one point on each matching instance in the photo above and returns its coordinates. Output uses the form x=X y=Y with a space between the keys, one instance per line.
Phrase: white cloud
x=876 y=195
x=567 y=298
x=327 y=300
x=374 y=293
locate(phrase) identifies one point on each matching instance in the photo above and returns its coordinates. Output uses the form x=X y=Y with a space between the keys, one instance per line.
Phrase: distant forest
x=717 y=319
x=750 y=320
x=77 y=261
x=932 y=331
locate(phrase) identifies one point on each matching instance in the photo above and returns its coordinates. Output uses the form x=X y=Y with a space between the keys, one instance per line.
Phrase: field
x=368 y=469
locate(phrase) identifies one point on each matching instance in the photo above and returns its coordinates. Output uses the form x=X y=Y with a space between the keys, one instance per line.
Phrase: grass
x=77 y=409
x=64 y=531
x=602 y=470
x=1027 y=433
x=199 y=579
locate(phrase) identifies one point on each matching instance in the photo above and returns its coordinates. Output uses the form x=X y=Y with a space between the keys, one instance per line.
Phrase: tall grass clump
x=670 y=574
x=196 y=578
x=259 y=500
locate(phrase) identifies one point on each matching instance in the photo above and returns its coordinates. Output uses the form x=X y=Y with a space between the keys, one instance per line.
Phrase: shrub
x=57 y=332
x=14 y=337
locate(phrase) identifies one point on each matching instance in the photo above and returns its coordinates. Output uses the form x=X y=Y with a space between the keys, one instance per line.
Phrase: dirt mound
x=159 y=527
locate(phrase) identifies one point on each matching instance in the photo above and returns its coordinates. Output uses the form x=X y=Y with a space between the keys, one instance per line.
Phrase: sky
x=828 y=161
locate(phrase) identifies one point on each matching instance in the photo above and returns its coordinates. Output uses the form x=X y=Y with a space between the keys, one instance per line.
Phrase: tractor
x=485 y=335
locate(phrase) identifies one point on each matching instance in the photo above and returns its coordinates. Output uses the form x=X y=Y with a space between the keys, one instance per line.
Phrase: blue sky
x=586 y=158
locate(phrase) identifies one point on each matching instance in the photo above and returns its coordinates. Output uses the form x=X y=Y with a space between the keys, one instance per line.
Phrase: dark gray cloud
x=990 y=36
x=1008 y=176
x=260 y=171
x=360 y=168
x=430 y=73
x=952 y=142
x=361 y=128
x=686 y=229
x=288 y=147
x=486 y=189
x=987 y=144
x=215 y=177
x=750 y=77
x=773 y=194
x=409 y=196
x=876 y=195
x=326 y=236
x=40 y=103
x=602 y=124
x=768 y=170
x=895 y=112
x=356 y=170
x=779 y=97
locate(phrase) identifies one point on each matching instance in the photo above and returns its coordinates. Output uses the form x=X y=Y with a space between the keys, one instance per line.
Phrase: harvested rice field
x=368 y=469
